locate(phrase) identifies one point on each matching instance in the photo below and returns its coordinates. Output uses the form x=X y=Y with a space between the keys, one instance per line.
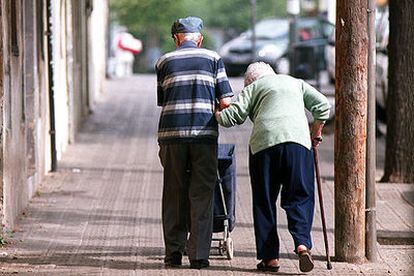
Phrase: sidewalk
x=100 y=213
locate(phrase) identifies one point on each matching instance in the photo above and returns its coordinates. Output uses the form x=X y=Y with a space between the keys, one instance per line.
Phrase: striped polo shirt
x=190 y=81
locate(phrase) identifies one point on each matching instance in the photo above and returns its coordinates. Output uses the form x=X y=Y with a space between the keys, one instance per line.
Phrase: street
x=99 y=214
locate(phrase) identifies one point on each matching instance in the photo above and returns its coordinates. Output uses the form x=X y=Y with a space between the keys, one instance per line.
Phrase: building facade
x=52 y=68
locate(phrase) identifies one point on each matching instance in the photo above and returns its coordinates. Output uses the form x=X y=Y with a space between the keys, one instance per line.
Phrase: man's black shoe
x=174 y=260
x=199 y=264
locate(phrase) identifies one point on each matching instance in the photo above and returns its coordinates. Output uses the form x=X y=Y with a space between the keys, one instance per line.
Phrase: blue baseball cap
x=187 y=25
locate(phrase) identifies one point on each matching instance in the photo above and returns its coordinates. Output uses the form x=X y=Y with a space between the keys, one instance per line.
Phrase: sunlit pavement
x=100 y=213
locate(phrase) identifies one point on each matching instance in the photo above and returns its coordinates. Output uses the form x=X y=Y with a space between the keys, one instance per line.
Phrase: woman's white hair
x=256 y=71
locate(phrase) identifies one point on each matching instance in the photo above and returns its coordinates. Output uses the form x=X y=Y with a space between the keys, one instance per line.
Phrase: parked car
x=272 y=43
x=330 y=57
x=307 y=52
x=381 y=66
x=272 y=39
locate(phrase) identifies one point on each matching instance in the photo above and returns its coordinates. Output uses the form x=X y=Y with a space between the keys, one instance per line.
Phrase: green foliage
x=2 y=241
x=235 y=14
x=144 y=15
x=10 y=233
x=151 y=20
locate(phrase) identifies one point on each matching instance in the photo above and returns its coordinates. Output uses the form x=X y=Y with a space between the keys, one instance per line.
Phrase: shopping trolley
x=225 y=200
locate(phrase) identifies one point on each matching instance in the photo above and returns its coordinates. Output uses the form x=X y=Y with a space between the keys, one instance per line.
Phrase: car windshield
x=312 y=28
x=270 y=29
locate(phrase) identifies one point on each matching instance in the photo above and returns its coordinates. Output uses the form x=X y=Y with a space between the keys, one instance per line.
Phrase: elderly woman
x=280 y=156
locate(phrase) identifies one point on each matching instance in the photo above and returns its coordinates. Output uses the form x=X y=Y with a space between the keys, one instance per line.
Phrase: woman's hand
x=316 y=141
x=316 y=133
x=217 y=114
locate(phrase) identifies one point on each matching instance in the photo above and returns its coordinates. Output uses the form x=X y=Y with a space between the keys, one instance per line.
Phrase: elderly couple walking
x=195 y=96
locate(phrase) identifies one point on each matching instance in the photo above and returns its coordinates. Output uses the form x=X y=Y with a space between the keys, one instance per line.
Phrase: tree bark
x=399 y=153
x=1 y=116
x=350 y=129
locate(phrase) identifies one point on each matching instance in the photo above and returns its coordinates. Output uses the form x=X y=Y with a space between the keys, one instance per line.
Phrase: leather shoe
x=271 y=265
x=174 y=260
x=199 y=264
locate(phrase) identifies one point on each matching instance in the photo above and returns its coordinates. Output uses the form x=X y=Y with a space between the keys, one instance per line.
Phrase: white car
x=272 y=42
x=382 y=32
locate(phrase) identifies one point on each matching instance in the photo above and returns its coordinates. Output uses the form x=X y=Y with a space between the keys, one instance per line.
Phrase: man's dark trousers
x=190 y=175
x=288 y=166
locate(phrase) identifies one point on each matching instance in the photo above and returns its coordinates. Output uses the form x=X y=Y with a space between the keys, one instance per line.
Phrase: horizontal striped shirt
x=190 y=81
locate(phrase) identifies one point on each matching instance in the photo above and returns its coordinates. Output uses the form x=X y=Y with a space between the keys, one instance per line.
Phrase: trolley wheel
x=229 y=248
x=221 y=248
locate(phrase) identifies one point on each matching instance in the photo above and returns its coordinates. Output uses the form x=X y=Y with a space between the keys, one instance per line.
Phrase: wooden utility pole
x=350 y=129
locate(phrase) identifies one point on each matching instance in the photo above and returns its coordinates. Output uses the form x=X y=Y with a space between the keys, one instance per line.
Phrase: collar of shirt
x=188 y=44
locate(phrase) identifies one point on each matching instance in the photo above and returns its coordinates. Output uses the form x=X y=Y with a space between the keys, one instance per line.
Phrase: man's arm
x=223 y=89
x=160 y=93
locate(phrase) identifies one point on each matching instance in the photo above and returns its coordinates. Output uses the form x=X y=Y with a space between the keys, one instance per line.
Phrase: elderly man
x=190 y=82
x=280 y=156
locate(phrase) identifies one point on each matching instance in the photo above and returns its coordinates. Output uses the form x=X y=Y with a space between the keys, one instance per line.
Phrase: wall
x=60 y=75
x=99 y=33
x=30 y=93
x=40 y=81
x=14 y=146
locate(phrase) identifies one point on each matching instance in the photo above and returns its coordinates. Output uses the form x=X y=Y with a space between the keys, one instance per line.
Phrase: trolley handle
x=223 y=199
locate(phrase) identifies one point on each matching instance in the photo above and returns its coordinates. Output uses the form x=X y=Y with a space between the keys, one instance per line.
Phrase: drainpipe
x=370 y=204
x=52 y=130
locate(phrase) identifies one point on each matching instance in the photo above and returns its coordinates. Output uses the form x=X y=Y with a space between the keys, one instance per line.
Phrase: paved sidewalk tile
x=100 y=213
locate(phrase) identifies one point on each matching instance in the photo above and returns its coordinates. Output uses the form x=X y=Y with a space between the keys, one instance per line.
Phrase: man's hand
x=316 y=134
x=224 y=103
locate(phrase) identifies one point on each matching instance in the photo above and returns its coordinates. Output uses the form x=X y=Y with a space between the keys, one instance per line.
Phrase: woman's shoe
x=305 y=260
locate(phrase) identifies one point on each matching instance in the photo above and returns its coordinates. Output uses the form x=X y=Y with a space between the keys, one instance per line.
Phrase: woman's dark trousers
x=287 y=167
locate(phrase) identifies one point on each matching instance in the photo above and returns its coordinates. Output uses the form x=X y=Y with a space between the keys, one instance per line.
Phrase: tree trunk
x=399 y=153
x=1 y=116
x=350 y=129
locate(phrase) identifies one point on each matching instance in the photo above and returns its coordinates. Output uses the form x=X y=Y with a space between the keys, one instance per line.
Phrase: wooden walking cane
x=318 y=180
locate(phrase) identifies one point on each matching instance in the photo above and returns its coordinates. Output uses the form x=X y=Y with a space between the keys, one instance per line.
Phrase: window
x=13 y=31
